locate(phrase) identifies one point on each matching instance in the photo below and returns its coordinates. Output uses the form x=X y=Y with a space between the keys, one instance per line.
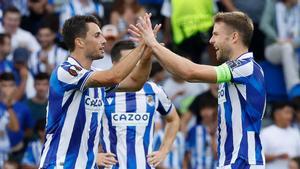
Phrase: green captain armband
x=223 y=73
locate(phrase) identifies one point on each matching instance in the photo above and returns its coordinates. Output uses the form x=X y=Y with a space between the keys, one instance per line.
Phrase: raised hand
x=142 y=31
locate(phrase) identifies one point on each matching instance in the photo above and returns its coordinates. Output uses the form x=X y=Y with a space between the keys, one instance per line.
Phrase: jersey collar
x=245 y=56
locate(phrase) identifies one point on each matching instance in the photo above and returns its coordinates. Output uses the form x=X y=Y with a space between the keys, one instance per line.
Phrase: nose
x=103 y=40
x=212 y=40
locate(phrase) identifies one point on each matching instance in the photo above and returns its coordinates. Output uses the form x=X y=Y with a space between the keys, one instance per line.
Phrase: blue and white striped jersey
x=32 y=154
x=73 y=119
x=4 y=139
x=241 y=108
x=198 y=143
x=128 y=124
x=175 y=157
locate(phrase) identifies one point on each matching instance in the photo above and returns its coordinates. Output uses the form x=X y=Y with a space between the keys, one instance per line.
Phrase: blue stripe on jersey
x=229 y=138
x=92 y=134
x=148 y=92
x=171 y=159
x=131 y=130
x=112 y=129
x=258 y=150
x=52 y=125
x=74 y=144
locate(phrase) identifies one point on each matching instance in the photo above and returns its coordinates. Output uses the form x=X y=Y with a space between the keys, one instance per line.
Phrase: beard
x=223 y=55
x=95 y=56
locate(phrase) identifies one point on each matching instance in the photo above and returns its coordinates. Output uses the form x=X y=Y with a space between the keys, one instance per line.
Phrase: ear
x=79 y=42
x=235 y=37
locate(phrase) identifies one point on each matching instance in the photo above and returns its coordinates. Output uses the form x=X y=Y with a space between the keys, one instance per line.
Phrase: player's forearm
x=171 y=129
x=183 y=67
x=125 y=66
x=141 y=72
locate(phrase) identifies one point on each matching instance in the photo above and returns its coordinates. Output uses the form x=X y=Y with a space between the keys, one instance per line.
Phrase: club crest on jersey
x=74 y=70
x=150 y=100
x=130 y=119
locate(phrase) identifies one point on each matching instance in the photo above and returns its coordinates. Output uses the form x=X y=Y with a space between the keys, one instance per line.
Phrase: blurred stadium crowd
x=31 y=46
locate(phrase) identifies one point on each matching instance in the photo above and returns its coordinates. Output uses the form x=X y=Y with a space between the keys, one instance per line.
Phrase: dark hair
x=118 y=47
x=7 y=76
x=279 y=105
x=41 y=76
x=156 y=68
x=3 y=36
x=240 y=22
x=75 y=27
x=11 y=9
x=47 y=26
x=296 y=103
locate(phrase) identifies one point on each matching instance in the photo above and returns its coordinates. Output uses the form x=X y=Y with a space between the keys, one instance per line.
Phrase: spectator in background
x=8 y=121
x=201 y=146
x=189 y=118
x=7 y=90
x=110 y=33
x=280 y=141
x=39 y=13
x=81 y=7
x=296 y=104
x=19 y=37
x=157 y=74
x=5 y=50
x=281 y=24
x=31 y=158
x=254 y=9
x=294 y=163
x=49 y=55
x=38 y=103
x=20 y=59
x=189 y=38
x=124 y=13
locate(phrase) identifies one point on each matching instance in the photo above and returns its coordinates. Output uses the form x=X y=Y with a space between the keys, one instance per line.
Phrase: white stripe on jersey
x=236 y=116
x=251 y=147
x=47 y=145
x=66 y=133
x=223 y=135
x=199 y=143
x=121 y=130
x=82 y=158
x=139 y=134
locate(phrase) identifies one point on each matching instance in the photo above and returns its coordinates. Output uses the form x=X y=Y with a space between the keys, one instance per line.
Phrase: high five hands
x=143 y=32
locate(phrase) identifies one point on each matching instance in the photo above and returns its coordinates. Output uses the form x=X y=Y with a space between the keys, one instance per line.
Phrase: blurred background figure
x=49 y=55
x=124 y=13
x=201 y=146
x=38 y=104
x=19 y=37
x=111 y=34
x=158 y=73
x=191 y=25
x=81 y=7
x=280 y=141
x=8 y=120
x=32 y=155
x=281 y=24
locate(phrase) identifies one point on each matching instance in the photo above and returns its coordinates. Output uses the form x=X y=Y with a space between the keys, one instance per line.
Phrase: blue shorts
x=242 y=164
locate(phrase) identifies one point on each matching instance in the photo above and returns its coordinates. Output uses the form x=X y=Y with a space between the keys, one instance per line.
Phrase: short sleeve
x=164 y=103
x=72 y=77
x=240 y=70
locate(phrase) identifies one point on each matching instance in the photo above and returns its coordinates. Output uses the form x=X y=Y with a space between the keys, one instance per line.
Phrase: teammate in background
x=128 y=122
x=201 y=146
x=241 y=94
x=75 y=103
